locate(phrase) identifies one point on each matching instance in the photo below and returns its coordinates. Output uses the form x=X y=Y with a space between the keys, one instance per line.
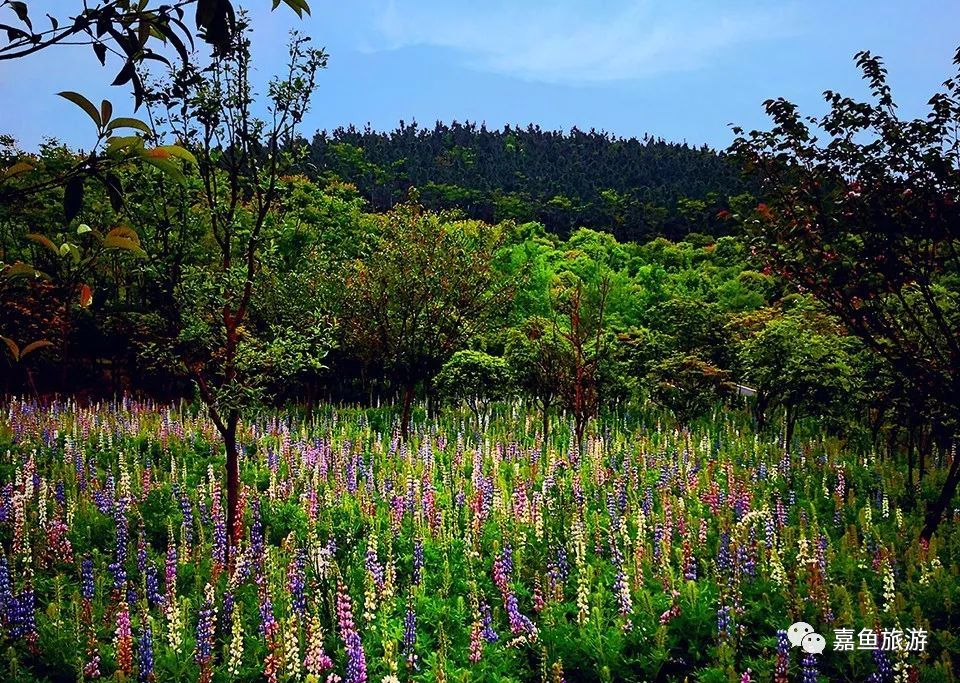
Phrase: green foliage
x=687 y=385
x=283 y=518
x=795 y=364
x=863 y=218
x=634 y=189
x=426 y=287
x=476 y=378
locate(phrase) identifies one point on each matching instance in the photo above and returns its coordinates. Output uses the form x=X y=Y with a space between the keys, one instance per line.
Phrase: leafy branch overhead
x=112 y=150
x=134 y=31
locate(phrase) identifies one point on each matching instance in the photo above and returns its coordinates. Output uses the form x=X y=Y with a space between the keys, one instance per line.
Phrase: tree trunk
x=910 y=496
x=580 y=426
x=892 y=441
x=936 y=509
x=405 y=417
x=759 y=410
x=31 y=383
x=877 y=423
x=234 y=519
x=546 y=424
x=791 y=421
x=310 y=394
x=926 y=440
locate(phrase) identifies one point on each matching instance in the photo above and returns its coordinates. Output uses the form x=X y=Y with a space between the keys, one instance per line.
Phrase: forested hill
x=634 y=188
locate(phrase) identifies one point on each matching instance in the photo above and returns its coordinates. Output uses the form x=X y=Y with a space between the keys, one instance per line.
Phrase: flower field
x=653 y=554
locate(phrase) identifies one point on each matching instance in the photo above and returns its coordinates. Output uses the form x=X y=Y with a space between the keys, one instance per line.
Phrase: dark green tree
x=861 y=209
x=425 y=288
x=475 y=378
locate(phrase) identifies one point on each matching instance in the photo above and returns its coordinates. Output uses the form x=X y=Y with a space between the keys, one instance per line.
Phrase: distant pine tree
x=635 y=188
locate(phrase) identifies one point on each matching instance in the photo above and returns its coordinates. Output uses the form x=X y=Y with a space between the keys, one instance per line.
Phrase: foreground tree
x=223 y=327
x=425 y=288
x=869 y=224
x=138 y=33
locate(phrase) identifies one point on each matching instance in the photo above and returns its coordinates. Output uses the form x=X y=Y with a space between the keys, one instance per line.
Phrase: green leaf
x=17 y=169
x=83 y=228
x=115 y=242
x=128 y=122
x=123 y=244
x=126 y=73
x=114 y=190
x=84 y=104
x=168 y=167
x=71 y=249
x=106 y=110
x=172 y=151
x=44 y=241
x=121 y=142
x=33 y=346
x=73 y=198
x=12 y=345
x=21 y=269
x=125 y=232
x=298 y=6
x=20 y=8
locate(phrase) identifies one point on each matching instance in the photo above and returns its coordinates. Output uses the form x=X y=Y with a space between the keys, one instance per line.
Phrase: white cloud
x=585 y=42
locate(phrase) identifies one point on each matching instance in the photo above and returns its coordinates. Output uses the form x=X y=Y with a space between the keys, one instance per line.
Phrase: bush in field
x=475 y=378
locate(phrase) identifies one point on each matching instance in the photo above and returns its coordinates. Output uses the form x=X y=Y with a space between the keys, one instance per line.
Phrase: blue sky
x=676 y=69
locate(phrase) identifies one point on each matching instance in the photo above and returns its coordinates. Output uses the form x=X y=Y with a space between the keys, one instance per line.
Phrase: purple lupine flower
x=267 y=620
x=296 y=583
x=372 y=564
x=621 y=585
x=356 y=659
x=118 y=567
x=186 y=509
x=145 y=655
x=724 y=560
x=205 y=518
x=519 y=623
x=488 y=633
x=170 y=570
x=417 y=561
x=205 y=630
x=141 y=553
x=5 y=595
x=808 y=666
x=154 y=596
x=884 y=672
x=227 y=611
x=410 y=635
x=219 y=550
x=724 y=622
x=256 y=530
x=783 y=657
x=658 y=537
x=22 y=615
x=563 y=566
x=86 y=578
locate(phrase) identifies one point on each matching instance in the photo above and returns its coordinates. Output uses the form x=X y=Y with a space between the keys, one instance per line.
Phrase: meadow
x=653 y=554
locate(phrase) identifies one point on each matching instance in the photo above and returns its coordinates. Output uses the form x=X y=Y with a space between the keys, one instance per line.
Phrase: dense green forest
x=635 y=189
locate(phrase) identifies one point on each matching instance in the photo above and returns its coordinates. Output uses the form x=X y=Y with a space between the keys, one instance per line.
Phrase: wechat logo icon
x=802 y=635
